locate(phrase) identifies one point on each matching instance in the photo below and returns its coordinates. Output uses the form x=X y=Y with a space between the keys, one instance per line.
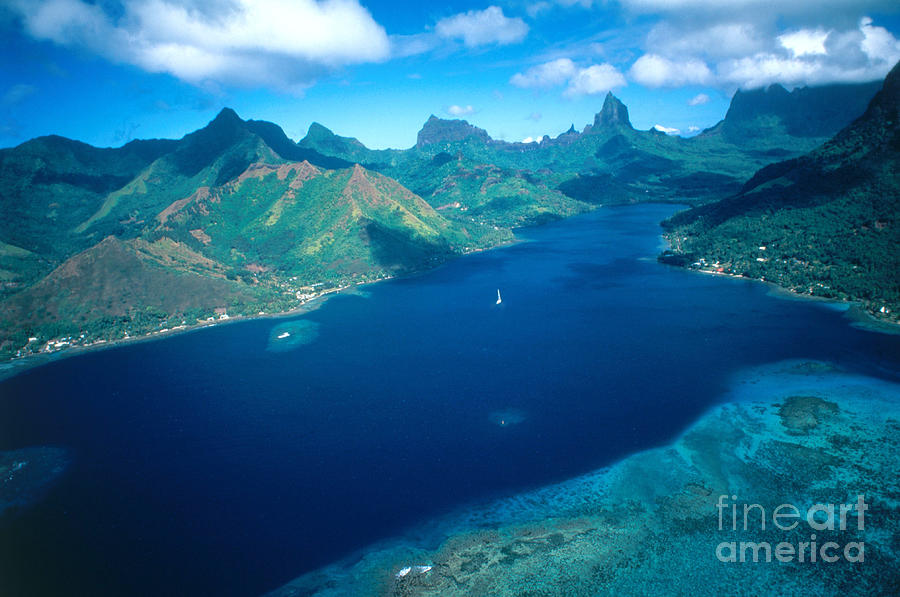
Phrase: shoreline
x=858 y=316
x=435 y=554
x=18 y=365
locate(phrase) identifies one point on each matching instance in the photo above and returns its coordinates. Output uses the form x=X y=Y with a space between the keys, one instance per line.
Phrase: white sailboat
x=499 y=300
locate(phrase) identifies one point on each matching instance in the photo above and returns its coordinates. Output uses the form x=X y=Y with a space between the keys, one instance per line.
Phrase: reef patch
x=292 y=334
x=26 y=474
x=798 y=433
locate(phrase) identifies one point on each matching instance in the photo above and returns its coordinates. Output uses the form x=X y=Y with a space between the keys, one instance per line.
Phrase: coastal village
x=295 y=295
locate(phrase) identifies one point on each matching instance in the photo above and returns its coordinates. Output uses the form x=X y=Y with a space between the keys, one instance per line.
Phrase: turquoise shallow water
x=230 y=461
x=789 y=434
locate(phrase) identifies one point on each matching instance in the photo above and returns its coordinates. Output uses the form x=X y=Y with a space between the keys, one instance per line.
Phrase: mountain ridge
x=232 y=216
x=823 y=224
x=238 y=209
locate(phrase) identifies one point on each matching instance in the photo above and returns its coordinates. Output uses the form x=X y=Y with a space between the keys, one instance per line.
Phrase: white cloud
x=764 y=69
x=731 y=55
x=653 y=70
x=865 y=54
x=699 y=100
x=805 y=42
x=878 y=43
x=529 y=140
x=693 y=129
x=482 y=27
x=455 y=110
x=282 y=43
x=549 y=74
x=665 y=129
x=599 y=78
x=759 y=7
x=717 y=40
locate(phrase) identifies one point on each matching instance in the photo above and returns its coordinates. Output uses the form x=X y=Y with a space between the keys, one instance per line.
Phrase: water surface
x=210 y=462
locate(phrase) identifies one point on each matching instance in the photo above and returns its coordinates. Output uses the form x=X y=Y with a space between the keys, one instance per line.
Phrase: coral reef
x=788 y=487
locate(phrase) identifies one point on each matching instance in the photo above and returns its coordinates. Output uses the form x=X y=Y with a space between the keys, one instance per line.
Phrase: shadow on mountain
x=398 y=250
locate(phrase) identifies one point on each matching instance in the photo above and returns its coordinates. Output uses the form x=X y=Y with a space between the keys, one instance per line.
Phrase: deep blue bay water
x=205 y=463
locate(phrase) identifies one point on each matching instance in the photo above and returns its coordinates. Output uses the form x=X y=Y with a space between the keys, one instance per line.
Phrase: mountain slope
x=824 y=224
x=609 y=161
x=234 y=214
x=312 y=223
x=119 y=287
x=50 y=184
x=238 y=212
x=764 y=119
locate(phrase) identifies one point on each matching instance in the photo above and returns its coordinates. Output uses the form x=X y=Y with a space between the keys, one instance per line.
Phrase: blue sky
x=108 y=71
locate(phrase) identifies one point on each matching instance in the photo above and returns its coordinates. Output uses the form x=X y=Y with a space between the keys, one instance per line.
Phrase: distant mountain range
x=236 y=218
x=824 y=224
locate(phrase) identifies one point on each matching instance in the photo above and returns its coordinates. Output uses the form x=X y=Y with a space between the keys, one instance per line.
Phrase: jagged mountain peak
x=318 y=130
x=438 y=130
x=813 y=112
x=226 y=115
x=613 y=113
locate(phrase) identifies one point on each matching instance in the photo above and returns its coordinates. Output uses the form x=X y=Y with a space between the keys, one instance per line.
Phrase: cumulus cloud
x=665 y=129
x=482 y=27
x=599 y=78
x=653 y=70
x=805 y=42
x=862 y=55
x=731 y=54
x=549 y=74
x=455 y=110
x=756 y=7
x=717 y=40
x=255 y=42
x=699 y=100
x=878 y=43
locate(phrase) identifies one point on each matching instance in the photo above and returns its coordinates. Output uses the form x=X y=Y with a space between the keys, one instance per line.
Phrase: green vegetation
x=236 y=218
x=825 y=224
x=223 y=221
x=609 y=162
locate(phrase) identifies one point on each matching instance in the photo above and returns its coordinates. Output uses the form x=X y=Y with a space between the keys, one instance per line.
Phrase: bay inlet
x=221 y=461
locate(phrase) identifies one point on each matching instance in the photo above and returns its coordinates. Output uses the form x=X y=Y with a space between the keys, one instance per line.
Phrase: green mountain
x=116 y=288
x=807 y=116
x=824 y=224
x=234 y=216
x=609 y=161
x=99 y=243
